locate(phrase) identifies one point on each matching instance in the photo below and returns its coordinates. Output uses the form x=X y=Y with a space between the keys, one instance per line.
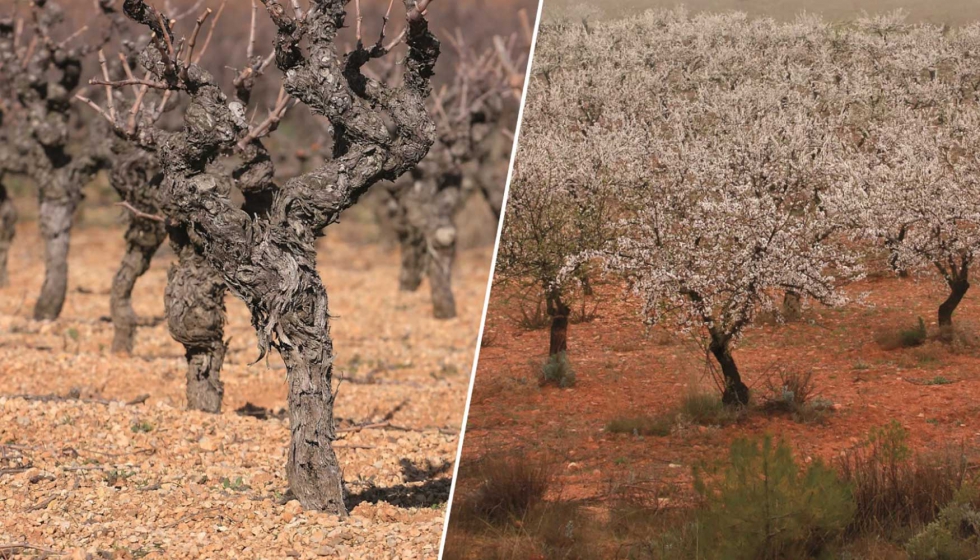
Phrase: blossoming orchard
x=723 y=167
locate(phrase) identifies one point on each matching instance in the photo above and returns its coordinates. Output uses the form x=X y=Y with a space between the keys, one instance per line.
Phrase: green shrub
x=952 y=536
x=904 y=338
x=762 y=505
x=558 y=370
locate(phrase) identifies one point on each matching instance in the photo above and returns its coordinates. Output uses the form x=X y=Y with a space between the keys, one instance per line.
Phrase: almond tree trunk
x=558 y=310
x=792 y=306
x=736 y=393
x=958 y=284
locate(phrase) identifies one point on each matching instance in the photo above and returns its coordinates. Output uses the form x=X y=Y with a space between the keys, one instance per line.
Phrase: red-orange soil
x=623 y=370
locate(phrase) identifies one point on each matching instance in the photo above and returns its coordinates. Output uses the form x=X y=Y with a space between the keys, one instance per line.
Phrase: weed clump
x=660 y=426
x=558 y=370
x=706 y=409
x=509 y=487
x=893 y=488
x=903 y=338
x=792 y=392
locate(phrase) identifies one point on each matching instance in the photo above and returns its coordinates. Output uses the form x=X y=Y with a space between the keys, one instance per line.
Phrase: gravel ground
x=94 y=474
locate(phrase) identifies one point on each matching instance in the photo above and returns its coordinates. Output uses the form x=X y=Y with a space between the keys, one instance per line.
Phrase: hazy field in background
x=955 y=12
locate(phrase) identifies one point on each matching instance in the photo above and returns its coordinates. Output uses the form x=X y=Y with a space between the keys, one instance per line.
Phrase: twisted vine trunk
x=143 y=238
x=427 y=234
x=55 y=222
x=135 y=178
x=195 y=308
x=267 y=258
x=8 y=222
x=312 y=469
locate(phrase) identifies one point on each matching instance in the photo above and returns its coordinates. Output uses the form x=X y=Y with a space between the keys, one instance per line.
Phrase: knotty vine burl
x=263 y=248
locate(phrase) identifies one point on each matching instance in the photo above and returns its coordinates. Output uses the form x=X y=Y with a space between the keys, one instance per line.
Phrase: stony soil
x=92 y=476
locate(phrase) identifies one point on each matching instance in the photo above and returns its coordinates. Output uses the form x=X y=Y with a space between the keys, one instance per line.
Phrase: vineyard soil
x=87 y=472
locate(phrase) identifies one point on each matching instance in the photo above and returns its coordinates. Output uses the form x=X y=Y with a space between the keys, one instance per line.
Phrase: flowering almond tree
x=926 y=178
x=724 y=214
x=263 y=246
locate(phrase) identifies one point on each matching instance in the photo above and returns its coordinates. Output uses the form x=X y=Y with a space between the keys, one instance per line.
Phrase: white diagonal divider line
x=493 y=268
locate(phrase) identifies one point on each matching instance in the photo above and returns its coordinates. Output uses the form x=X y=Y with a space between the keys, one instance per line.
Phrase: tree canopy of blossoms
x=749 y=158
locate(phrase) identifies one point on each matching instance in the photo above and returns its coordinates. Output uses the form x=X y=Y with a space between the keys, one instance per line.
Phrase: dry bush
x=895 y=489
x=509 y=486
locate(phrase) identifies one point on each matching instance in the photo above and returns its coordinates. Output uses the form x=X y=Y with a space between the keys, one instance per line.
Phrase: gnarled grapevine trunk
x=143 y=238
x=429 y=241
x=265 y=255
x=8 y=222
x=195 y=307
x=136 y=179
x=55 y=219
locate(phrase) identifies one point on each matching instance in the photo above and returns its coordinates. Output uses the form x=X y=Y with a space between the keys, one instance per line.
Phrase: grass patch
x=706 y=409
x=141 y=427
x=903 y=338
x=659 y=426
x=509 y=488
x=558 y=370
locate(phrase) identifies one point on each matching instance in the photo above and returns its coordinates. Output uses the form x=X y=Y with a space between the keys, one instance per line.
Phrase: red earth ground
x=624 y=370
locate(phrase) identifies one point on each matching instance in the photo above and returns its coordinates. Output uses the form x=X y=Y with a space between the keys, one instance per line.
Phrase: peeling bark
x=195 y=307
x=265 y=252
x=8 y=222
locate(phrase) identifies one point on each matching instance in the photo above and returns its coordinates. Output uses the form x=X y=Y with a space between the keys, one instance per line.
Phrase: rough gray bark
x=430 y=198
x=195 y=306
x=263 y=246
x=8 y=222
x=40 y=80
x=135 y=177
